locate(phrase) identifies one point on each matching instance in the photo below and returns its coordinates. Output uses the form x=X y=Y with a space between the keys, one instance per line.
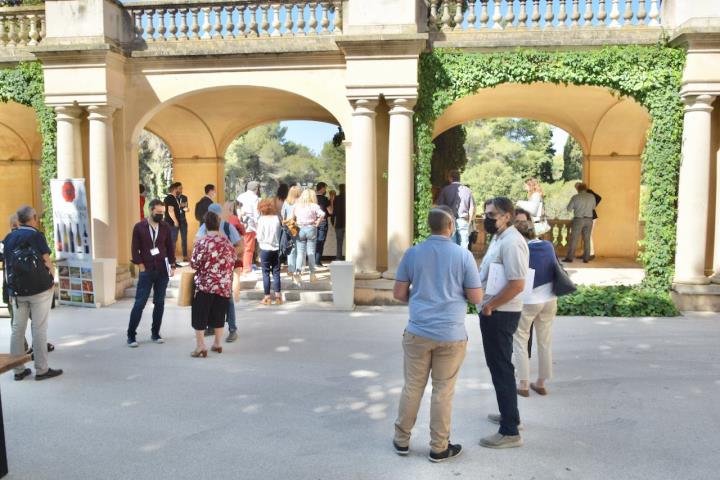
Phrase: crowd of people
x=289 y=228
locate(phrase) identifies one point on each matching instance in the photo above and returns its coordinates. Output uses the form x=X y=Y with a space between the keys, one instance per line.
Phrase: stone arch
x=611 y=130
x=20 y=151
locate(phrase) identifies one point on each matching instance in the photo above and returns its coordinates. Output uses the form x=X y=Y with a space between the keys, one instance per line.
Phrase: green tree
x=492 y=179
x=450 y=154
x=332 y=164
x=155 y=164
x=572 y=160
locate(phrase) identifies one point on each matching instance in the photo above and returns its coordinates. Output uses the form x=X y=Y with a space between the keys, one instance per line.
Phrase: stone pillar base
x=698 y=280
x=371 y=275
x=389 y=275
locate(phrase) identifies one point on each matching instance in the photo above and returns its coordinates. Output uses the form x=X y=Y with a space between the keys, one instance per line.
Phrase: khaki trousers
x=38 y=307
x=441 y=361
x=543 y=315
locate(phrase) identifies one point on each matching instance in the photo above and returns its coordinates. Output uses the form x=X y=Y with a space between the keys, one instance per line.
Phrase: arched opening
x=20 y=151
x=610 y=132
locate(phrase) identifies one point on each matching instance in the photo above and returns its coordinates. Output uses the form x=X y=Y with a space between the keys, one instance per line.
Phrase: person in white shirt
x=249 y=217
x=268 y=238
x=539 y=308
x=534 y=206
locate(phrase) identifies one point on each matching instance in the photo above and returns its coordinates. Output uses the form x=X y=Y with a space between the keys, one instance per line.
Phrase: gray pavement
x=313 y=394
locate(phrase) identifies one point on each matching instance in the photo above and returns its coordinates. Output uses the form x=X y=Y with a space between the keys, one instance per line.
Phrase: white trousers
x=542 y=314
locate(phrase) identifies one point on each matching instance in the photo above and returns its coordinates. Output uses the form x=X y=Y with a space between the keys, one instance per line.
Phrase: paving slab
x=313 y=395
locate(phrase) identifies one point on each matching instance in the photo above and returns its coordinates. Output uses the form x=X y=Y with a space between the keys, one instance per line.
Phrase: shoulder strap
x=226 y=229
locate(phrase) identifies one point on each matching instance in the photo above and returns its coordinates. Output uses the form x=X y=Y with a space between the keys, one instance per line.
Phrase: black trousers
x=497 y=337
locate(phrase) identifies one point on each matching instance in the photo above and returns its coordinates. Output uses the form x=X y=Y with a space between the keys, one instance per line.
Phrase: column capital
x=365 y=106
x=103 y=113
x=401 y=105
x=68 y=113
x=698 y=103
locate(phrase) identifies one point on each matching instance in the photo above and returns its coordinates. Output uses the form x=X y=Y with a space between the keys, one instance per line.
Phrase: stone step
x=289 y=296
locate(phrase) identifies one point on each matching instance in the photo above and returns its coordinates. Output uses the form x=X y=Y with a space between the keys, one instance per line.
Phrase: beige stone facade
x=197 y=76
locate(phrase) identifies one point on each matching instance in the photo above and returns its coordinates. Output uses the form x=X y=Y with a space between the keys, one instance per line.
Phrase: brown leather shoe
x=539 y=390
x=523 y=393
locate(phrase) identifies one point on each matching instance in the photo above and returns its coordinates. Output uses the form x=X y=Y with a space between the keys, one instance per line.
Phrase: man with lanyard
x=232 y=234
x=182 y=220
x=153 y=251
x=172 y=213
x=30 y=306
x=460 y=200
x=500 y=316
x=322 y=229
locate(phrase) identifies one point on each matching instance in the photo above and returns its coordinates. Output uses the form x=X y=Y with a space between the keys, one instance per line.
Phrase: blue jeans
x=270 y=261
x=232 y=325
x=292 y=258
x=306 y=240
x=158 y=282
x=462 y=232
x=320 y=242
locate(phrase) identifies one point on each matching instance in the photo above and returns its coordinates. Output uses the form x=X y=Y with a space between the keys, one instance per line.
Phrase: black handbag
x=562 y=285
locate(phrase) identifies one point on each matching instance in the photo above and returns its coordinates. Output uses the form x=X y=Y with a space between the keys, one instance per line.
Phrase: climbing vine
x=649 y=74
x=24 y=84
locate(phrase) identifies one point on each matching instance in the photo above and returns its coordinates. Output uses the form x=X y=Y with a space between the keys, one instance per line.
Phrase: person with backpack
x=230 y=232
x=31 y=289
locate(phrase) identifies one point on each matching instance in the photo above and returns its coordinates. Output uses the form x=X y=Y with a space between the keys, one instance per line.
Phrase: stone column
x=361 y=172
x=694 y=191
x=400 y=183
x=69 y=147
x=103 y=208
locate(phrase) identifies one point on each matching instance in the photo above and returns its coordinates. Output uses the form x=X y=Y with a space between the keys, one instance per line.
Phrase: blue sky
x=315 y=134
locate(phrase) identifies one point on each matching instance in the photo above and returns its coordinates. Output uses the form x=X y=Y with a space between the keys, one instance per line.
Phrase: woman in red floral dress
x=213 y=258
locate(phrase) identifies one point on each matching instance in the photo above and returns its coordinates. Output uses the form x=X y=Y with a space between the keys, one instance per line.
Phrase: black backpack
x=26 y=272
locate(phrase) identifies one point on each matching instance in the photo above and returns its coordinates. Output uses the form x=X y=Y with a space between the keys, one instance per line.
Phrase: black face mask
x=157 y=217
x=490 y=225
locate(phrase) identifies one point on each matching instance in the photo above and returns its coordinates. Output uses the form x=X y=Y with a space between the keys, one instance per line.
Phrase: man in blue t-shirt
x=36 y=306
x=444 y=277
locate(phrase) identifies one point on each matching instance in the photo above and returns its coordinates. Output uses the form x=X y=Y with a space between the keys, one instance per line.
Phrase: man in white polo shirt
x=500 y=315
x=444 y=278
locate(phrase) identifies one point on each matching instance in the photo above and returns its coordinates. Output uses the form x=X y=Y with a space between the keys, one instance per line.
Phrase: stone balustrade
x=186 y=20
x=474 y=15
x=22 y=26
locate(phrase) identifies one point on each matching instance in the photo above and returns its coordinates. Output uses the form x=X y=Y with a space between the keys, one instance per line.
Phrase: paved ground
x=312 y=395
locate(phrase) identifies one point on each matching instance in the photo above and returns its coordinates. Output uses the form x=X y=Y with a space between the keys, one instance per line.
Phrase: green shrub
x=617 y=301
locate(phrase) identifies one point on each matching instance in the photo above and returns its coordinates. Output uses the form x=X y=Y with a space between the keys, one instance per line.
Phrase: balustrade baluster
x=218 y=23
x=338 y=21
x=522 y=14
x=150 y=30
x=497 y=16
x=509 y=15
x=575 y=13
x=628 y=13
x=602 y=14
x=22 y=34
x=457 y=16
x=484 y=17
x=445 y=19
x=589 y=14
x=641 y=12
x=325 y=19
x=312 y=25
x=173 y=29
x=161 y=24
x=289 y=24
x=3 y=33
x=264 y=21
x=11 y=30
x=253 y=29
x=535 y=19
x=206 y=27
x=274 y=19
x=562 y=15
x=183 y=24
x=472 y=18
x=433 y=17
x=195 y=26
x=301 y=18
x=615 y=13
x=654 y=14
x=42 y=26
x=230 y=26
x=241 y=21
x=139 y=30
x=549 y=14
